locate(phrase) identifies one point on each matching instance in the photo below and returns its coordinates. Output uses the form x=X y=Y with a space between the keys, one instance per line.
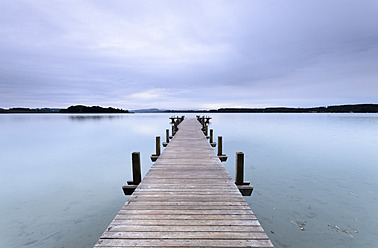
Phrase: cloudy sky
x=188 y=54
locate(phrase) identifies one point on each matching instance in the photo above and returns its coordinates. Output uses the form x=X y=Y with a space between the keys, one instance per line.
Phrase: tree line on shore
x=81 y=109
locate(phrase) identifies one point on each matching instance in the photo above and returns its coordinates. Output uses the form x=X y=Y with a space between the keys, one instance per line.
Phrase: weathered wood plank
x=178 y=203
x=134 y=228
x=183 y=243
x=186 y=222
x=185 y=207
x=187 y=217
x=185 y=235
x=185 y=211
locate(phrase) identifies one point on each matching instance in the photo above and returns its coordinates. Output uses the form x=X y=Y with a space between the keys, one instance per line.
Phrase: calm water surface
x=315 y=175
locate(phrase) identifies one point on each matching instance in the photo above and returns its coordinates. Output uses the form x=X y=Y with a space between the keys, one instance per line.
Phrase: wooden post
x=137 y=178
x=166 y=138
x=244 y=186
x=155 y=156
x=157 y=145
x=212 y=143
x=222 y=157
x=219 y=145
x=239 y=177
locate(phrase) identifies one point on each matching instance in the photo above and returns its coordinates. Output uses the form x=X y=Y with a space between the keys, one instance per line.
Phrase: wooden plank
x=183 y=243
x=184 y=207
x=178 y=203
x=185 y=222
x=181 y=193
x=187 y=217
x=185 y=235
x=185 y=211
x=134 y=228
x=187 y=199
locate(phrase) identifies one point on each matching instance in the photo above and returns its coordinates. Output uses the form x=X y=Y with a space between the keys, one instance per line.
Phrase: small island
x=81 y=109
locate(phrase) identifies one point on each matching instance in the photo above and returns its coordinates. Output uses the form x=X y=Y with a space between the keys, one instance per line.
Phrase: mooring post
x=174 y=128
x=221 y=156
x=219 y=145
x=239 y=177
x=166 y=138
x=157 y=145
x=212 y=143
x=137 y=177
x=155 y=156
x=244 y=186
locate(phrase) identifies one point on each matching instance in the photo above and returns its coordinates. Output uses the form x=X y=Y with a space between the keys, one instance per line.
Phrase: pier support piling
x=137 y=178
x=166 y=138
x=155 y=156
x=221 y=156
x=212 y=143
x=243 y=186
x=239 y=177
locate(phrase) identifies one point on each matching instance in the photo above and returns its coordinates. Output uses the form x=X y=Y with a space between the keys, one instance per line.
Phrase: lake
x=315 y=176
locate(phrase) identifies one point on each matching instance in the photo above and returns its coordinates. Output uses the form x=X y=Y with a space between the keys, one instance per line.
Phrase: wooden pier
x=187 y=199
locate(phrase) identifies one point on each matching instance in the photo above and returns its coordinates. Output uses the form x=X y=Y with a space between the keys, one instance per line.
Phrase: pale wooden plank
x=185 y=235
x=135 y=228
x=185 y=211
x=178 y=203
x=185 y=207
x=186 y=217
x=183 y=243
x=119 y=219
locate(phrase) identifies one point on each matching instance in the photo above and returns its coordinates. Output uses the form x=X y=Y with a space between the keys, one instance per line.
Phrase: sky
x=174 y=54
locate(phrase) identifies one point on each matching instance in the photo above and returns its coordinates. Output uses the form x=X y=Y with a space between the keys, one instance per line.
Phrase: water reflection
x=94 y=117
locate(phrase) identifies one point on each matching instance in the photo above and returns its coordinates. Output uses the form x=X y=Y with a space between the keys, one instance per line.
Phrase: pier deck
x=186 y=199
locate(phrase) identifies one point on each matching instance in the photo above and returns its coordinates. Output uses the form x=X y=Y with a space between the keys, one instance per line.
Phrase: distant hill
x=357 y=108
x=29 y=110
x=81 y=109
x=151 y=110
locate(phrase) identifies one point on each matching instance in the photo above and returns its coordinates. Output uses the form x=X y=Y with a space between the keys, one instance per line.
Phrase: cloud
x=187 y=54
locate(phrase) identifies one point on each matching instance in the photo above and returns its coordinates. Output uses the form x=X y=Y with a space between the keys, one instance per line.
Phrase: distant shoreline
x=81 y=109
